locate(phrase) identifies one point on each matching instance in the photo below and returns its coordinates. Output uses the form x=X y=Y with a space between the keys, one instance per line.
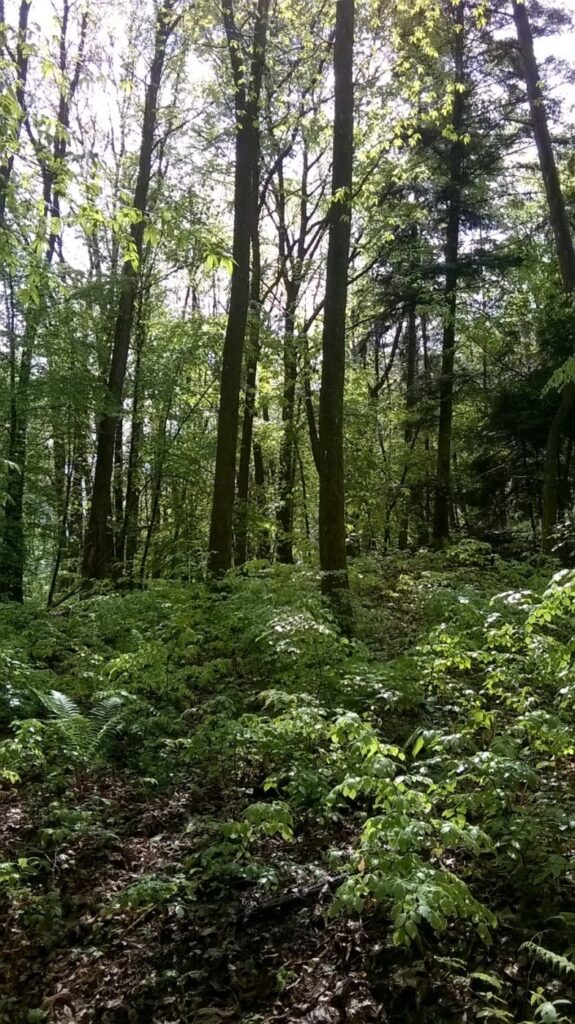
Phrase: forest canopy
x=177 y=337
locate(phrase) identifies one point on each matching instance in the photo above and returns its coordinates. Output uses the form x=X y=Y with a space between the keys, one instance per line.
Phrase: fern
x=553 y=960
x=85 y=733
x=106 y=716
x=59 y=704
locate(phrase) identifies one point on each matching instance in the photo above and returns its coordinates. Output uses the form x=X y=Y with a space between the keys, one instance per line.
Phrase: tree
x=332 y=526
x=99 y=542
x=454 y=190
x=565 y=255
x=52 y=159
x=247 y=81
x=435 y=326
x=21 y=62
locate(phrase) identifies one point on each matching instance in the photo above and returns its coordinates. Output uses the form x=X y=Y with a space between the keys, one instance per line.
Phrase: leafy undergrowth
x=215 y=808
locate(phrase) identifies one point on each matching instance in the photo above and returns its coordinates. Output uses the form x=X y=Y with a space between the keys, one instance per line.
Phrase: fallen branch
x=295 y=898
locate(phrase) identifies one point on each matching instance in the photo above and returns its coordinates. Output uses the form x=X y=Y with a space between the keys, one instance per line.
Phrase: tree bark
x=455 y=170
x=293 y=256
x=565 y=255
x=410 y=402
x=264 y=543
x=13 y=551
x=243 y=486
x=332 y=532
x=286 y=481
x=118 y=489
x=247 y=100
x=129 y=543
x=308 y=403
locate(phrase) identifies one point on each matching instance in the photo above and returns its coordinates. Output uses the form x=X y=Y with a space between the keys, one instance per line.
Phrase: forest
x=287 y=511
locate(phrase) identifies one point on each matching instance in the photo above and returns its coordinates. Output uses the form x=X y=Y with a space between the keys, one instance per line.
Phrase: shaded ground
x=232 y=955
x=117 y=914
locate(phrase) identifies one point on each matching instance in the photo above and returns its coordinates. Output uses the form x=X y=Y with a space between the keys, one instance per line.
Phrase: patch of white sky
x=561 y=46
x=120 y=33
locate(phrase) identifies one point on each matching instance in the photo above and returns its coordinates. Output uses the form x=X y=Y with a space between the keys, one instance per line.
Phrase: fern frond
x=85 y=732
x=59 y=704
x=105 y=717
x=555 y=961
x=106 y=709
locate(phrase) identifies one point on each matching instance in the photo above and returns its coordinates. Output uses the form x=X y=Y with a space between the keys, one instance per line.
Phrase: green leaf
x=417 y=746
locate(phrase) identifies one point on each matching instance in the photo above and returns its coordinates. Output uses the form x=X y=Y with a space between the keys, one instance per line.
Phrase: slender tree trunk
x=247 y=99
x=242 y=507
x=129 y=545
x=285 y=515
x=63 y=533
x=293 y=256
x=551 y=488
x=304 y=496
x=62 y=488
x=154 y=516
x=264 y=542
x=424 y=531
x=458 y=496
x=332 y=532
x=309 y=406
x=59 y=457
x=455 y=170
x=567 y=498
x=564 y=249
x=156 y=483
x=99 y=543
x=410 y=402
x=12 y=551
x=81 y=492
x=118 y=488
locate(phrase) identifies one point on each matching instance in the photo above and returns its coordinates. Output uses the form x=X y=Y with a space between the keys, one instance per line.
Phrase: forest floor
x=217 y=809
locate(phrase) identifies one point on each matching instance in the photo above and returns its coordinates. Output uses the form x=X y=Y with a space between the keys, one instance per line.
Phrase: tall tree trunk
x=408 y=497
x=242 y=507
x=454 y=187
x=129 y=545
x=566 y=482
x=81 y=492
x=62 y=531
x=308 y=403
x=287 y=460
x=304 y=495
x=565 y=255
x=264 y=544
x=154 y=515
x=157 y=482
x=118 y=488
x=293 y=257
x=247 y=101
x=332 y=533
x=12 y=550
x=99 y=542
x=63 y=472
